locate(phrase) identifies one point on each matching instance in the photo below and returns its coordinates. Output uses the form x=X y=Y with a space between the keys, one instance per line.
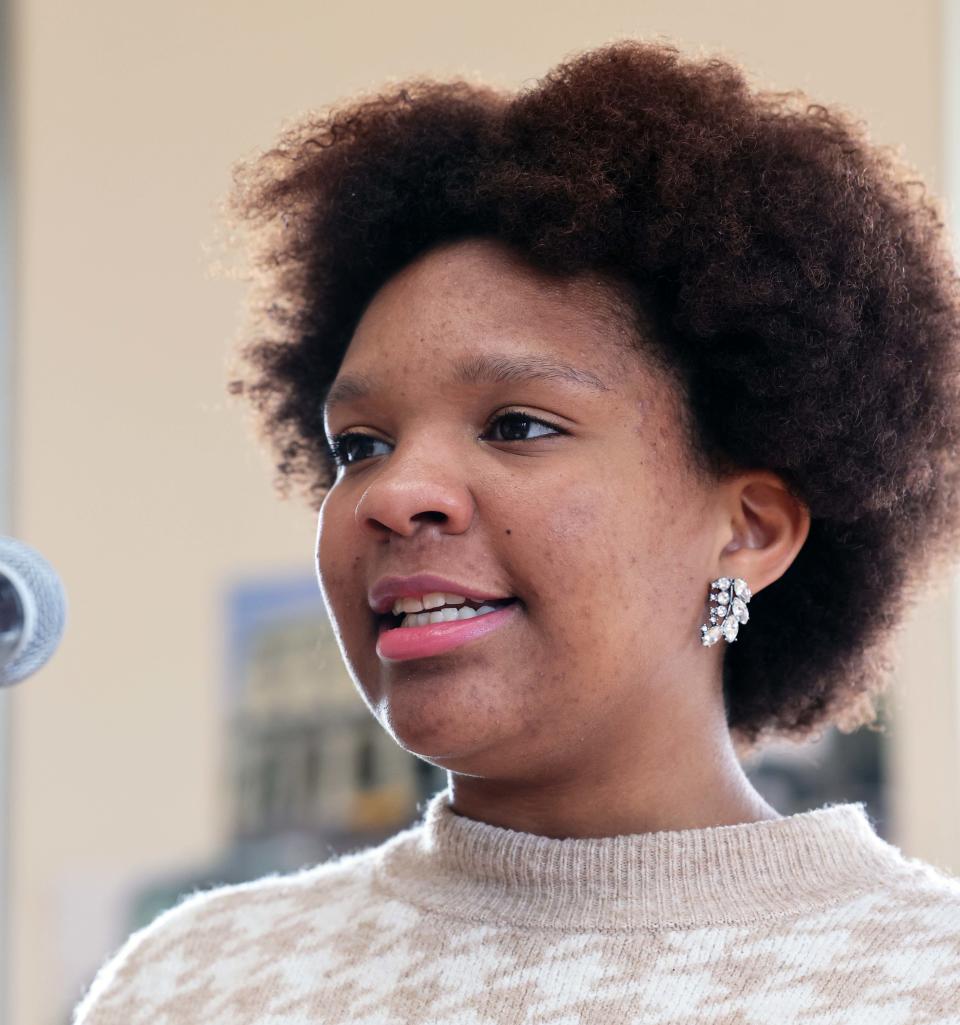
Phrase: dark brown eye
x=518 y=424
x=344 y=447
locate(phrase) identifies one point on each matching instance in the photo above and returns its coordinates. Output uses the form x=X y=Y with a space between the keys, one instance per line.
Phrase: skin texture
x=596 y=711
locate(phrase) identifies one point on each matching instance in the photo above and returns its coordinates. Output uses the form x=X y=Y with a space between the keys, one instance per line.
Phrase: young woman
x=629 y=406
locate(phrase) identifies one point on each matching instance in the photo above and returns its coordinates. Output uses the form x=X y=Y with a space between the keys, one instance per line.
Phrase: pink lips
x=407 y=642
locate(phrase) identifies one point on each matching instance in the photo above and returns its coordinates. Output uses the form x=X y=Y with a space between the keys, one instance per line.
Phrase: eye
x=352 y=447
x=520 y=423
x=342 y=446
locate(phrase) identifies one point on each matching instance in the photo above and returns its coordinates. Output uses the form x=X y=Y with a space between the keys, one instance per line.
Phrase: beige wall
x=133 y=474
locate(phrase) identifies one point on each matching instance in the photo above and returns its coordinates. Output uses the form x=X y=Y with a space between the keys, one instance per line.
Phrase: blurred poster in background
x=309 y=772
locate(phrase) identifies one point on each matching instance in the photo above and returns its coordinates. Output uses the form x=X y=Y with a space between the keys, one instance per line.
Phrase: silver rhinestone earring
x=730 y=610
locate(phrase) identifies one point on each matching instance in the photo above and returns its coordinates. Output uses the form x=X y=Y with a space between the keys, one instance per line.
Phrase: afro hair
x=799 y=279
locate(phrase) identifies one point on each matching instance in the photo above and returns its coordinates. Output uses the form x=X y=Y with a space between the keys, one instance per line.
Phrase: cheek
x=338 y=561
x=595 y=531
x=599 y=557
x=579 y=559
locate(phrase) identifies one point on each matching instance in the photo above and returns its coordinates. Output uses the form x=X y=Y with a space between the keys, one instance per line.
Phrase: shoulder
x=240 y=926
x=924 y=889
x=903 y=941
x=907 y=920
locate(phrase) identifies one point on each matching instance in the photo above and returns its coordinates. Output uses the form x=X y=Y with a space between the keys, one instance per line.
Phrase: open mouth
x=442 y=614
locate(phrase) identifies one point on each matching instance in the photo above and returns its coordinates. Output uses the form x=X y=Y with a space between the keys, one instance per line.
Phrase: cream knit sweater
x=809 y=919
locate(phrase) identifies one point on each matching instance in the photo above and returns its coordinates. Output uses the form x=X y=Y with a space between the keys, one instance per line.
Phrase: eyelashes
x=341 y=445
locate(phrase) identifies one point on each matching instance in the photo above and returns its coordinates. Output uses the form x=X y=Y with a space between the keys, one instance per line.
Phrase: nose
x=414 y=488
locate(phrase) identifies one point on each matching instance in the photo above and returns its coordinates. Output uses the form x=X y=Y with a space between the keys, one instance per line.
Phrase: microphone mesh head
x=44 y=604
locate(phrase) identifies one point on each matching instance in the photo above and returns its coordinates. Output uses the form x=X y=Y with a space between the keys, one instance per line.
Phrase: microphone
x=33 y=610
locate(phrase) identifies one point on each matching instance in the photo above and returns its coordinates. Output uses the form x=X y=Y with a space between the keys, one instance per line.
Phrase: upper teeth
x=428 y=601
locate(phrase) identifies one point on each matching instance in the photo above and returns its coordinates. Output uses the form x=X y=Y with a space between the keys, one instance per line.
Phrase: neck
x=688 y=777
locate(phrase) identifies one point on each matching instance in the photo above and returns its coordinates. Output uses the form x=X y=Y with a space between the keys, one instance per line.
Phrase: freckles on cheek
x=596 y=551
x=571 y=522
x=592 y=536
x=573 y=546
x=340 y=576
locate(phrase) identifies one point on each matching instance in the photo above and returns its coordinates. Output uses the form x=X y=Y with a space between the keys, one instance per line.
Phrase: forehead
x=474 y=310
x=498 y=285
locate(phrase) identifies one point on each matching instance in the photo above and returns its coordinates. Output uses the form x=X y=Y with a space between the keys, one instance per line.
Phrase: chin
x=451 y=739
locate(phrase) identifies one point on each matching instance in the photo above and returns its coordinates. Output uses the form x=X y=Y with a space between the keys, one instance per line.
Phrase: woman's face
x=569 y=492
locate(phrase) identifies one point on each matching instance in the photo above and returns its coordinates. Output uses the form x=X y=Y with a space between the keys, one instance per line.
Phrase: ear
x=763 y=528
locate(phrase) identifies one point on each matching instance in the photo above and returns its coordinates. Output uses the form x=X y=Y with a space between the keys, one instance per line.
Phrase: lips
x=415 y=642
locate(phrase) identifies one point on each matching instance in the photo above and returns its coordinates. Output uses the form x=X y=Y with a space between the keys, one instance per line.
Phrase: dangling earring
x=731 y=597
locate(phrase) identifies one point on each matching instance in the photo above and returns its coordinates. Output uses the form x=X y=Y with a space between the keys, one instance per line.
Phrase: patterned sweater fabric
x=808 y=919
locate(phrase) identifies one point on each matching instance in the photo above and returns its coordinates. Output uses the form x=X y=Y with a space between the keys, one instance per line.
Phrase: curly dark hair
x=799 y=279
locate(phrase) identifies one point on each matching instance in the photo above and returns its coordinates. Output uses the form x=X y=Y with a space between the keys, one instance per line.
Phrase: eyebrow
x=486 y=368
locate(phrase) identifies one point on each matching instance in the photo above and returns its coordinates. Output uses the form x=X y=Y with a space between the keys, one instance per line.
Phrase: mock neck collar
x=683 y=878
